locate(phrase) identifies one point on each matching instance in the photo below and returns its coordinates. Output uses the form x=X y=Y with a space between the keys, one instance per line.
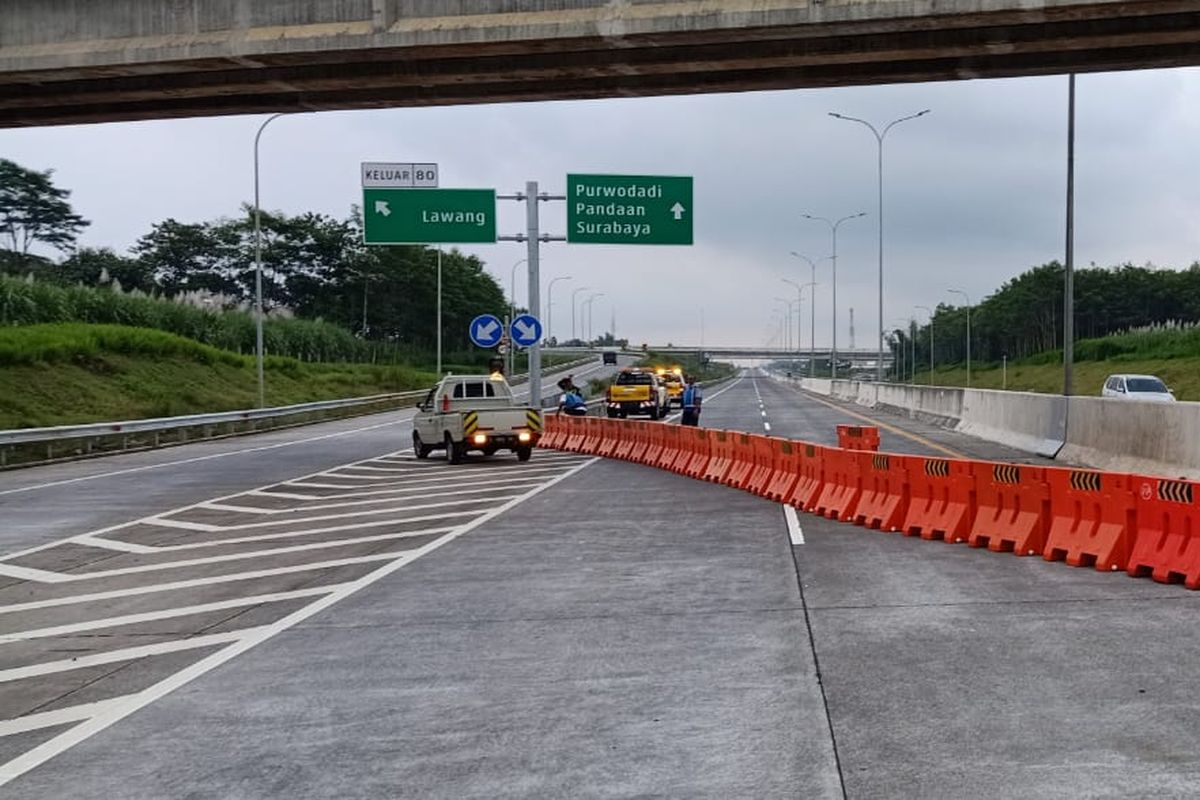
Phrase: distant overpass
x=104 y=60
x=855 y=357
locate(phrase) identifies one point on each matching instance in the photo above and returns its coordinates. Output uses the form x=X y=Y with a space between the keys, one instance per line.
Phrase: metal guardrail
x=30 y=446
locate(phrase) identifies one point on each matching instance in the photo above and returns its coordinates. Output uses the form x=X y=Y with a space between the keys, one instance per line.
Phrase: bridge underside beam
x=46 y=83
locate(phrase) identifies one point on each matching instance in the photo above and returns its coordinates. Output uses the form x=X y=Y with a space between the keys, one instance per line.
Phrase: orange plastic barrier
x=858 y=437
x=611 y=431
x=786 y=472
x=593 y=433
x=1092 y=518
x=842 y=484
x=575 y=434
x=765 y=459
x=743 y=460
x=720 y=444
x=551 y=432
x=670 y=450
x=626 y=436
x=885 y=491
x=942 y=499
x=1167 y=545
x=641 y=440
x=701 y=452
x=654 y=448
x=811 y=479
x=687 y=449
x=1014 y=508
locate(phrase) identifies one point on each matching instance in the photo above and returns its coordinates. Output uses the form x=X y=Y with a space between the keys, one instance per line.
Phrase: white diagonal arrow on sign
x=484 y=332
x=678 y=210
x=524 y=330
x=381 y=207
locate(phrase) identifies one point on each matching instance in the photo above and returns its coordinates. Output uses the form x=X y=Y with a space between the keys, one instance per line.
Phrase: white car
x=1137 y=387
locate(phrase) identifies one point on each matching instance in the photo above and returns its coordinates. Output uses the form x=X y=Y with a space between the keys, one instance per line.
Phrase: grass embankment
x=1172 y=353
x=60 y=374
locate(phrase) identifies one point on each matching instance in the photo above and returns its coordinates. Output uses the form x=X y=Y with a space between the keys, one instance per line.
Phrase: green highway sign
x=429 y=216
x=629 y=209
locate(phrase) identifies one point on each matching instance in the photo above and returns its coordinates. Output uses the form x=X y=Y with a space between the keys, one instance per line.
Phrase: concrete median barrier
x=1131 y=436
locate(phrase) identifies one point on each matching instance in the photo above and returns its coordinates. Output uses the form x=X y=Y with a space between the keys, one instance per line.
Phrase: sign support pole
x=439 y=313
x=533 y=245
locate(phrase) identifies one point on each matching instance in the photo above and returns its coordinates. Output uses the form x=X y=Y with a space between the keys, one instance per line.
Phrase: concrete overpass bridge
x=857 y=358
x=68 y=62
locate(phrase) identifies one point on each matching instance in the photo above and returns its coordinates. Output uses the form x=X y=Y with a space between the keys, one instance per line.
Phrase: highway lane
x=954 y=672
x=617 y=631
x=42 y=504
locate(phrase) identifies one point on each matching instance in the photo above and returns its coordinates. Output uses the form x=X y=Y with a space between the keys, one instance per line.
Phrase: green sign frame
x=429 y=216
x=629 y=209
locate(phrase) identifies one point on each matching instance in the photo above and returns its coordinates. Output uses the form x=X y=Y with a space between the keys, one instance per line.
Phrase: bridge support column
x=381 y=15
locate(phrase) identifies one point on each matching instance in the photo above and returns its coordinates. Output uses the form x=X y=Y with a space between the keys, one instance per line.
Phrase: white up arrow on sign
x=381 y=207
x=678 y=210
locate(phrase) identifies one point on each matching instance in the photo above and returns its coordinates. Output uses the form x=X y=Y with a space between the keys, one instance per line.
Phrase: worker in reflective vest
x=693 y=395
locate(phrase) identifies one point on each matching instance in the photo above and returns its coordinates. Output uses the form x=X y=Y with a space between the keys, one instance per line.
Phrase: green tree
x=99 y=266
x=33 y=210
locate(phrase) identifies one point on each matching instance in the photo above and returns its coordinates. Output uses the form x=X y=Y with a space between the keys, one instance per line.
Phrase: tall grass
x=79 y=342
x=26 y=302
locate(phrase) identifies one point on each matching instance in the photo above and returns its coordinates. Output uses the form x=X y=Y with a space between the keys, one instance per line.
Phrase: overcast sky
x=974 y=191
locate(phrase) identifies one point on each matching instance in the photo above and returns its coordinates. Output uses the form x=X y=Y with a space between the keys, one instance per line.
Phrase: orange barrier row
x=858 y=437
x=1109 y=521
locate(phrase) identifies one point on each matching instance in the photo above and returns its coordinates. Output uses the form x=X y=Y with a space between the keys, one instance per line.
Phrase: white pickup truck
x=474 y=412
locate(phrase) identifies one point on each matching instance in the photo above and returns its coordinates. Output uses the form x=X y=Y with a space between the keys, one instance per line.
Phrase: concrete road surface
x=332 y=618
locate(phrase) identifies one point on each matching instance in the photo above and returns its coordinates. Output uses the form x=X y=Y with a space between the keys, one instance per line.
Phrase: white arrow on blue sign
x=486 y=330
x=526 y=330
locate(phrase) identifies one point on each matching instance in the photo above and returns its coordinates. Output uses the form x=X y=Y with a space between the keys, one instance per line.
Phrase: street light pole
x=512 y=313
x=258 y=302
x=788 y=305
x=799 y=306
x=591 y=299
x=968 y=299
x=879 y=137
x=812 y=315
x=833 y=229
x=930 y=310
x=574 y=337
x=550 y=305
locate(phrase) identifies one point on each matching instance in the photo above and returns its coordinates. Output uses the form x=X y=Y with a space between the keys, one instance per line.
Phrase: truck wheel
x=454 y=452
x=420 y=448
x=654 y=412
x=524 y=453
x=612 y=414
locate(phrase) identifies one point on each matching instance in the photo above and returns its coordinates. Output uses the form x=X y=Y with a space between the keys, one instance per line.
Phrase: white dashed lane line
x=277 y=554
x=795 y=535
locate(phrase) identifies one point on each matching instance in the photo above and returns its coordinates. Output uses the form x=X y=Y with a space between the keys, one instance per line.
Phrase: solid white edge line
x=795 y=534
x=47 y=750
